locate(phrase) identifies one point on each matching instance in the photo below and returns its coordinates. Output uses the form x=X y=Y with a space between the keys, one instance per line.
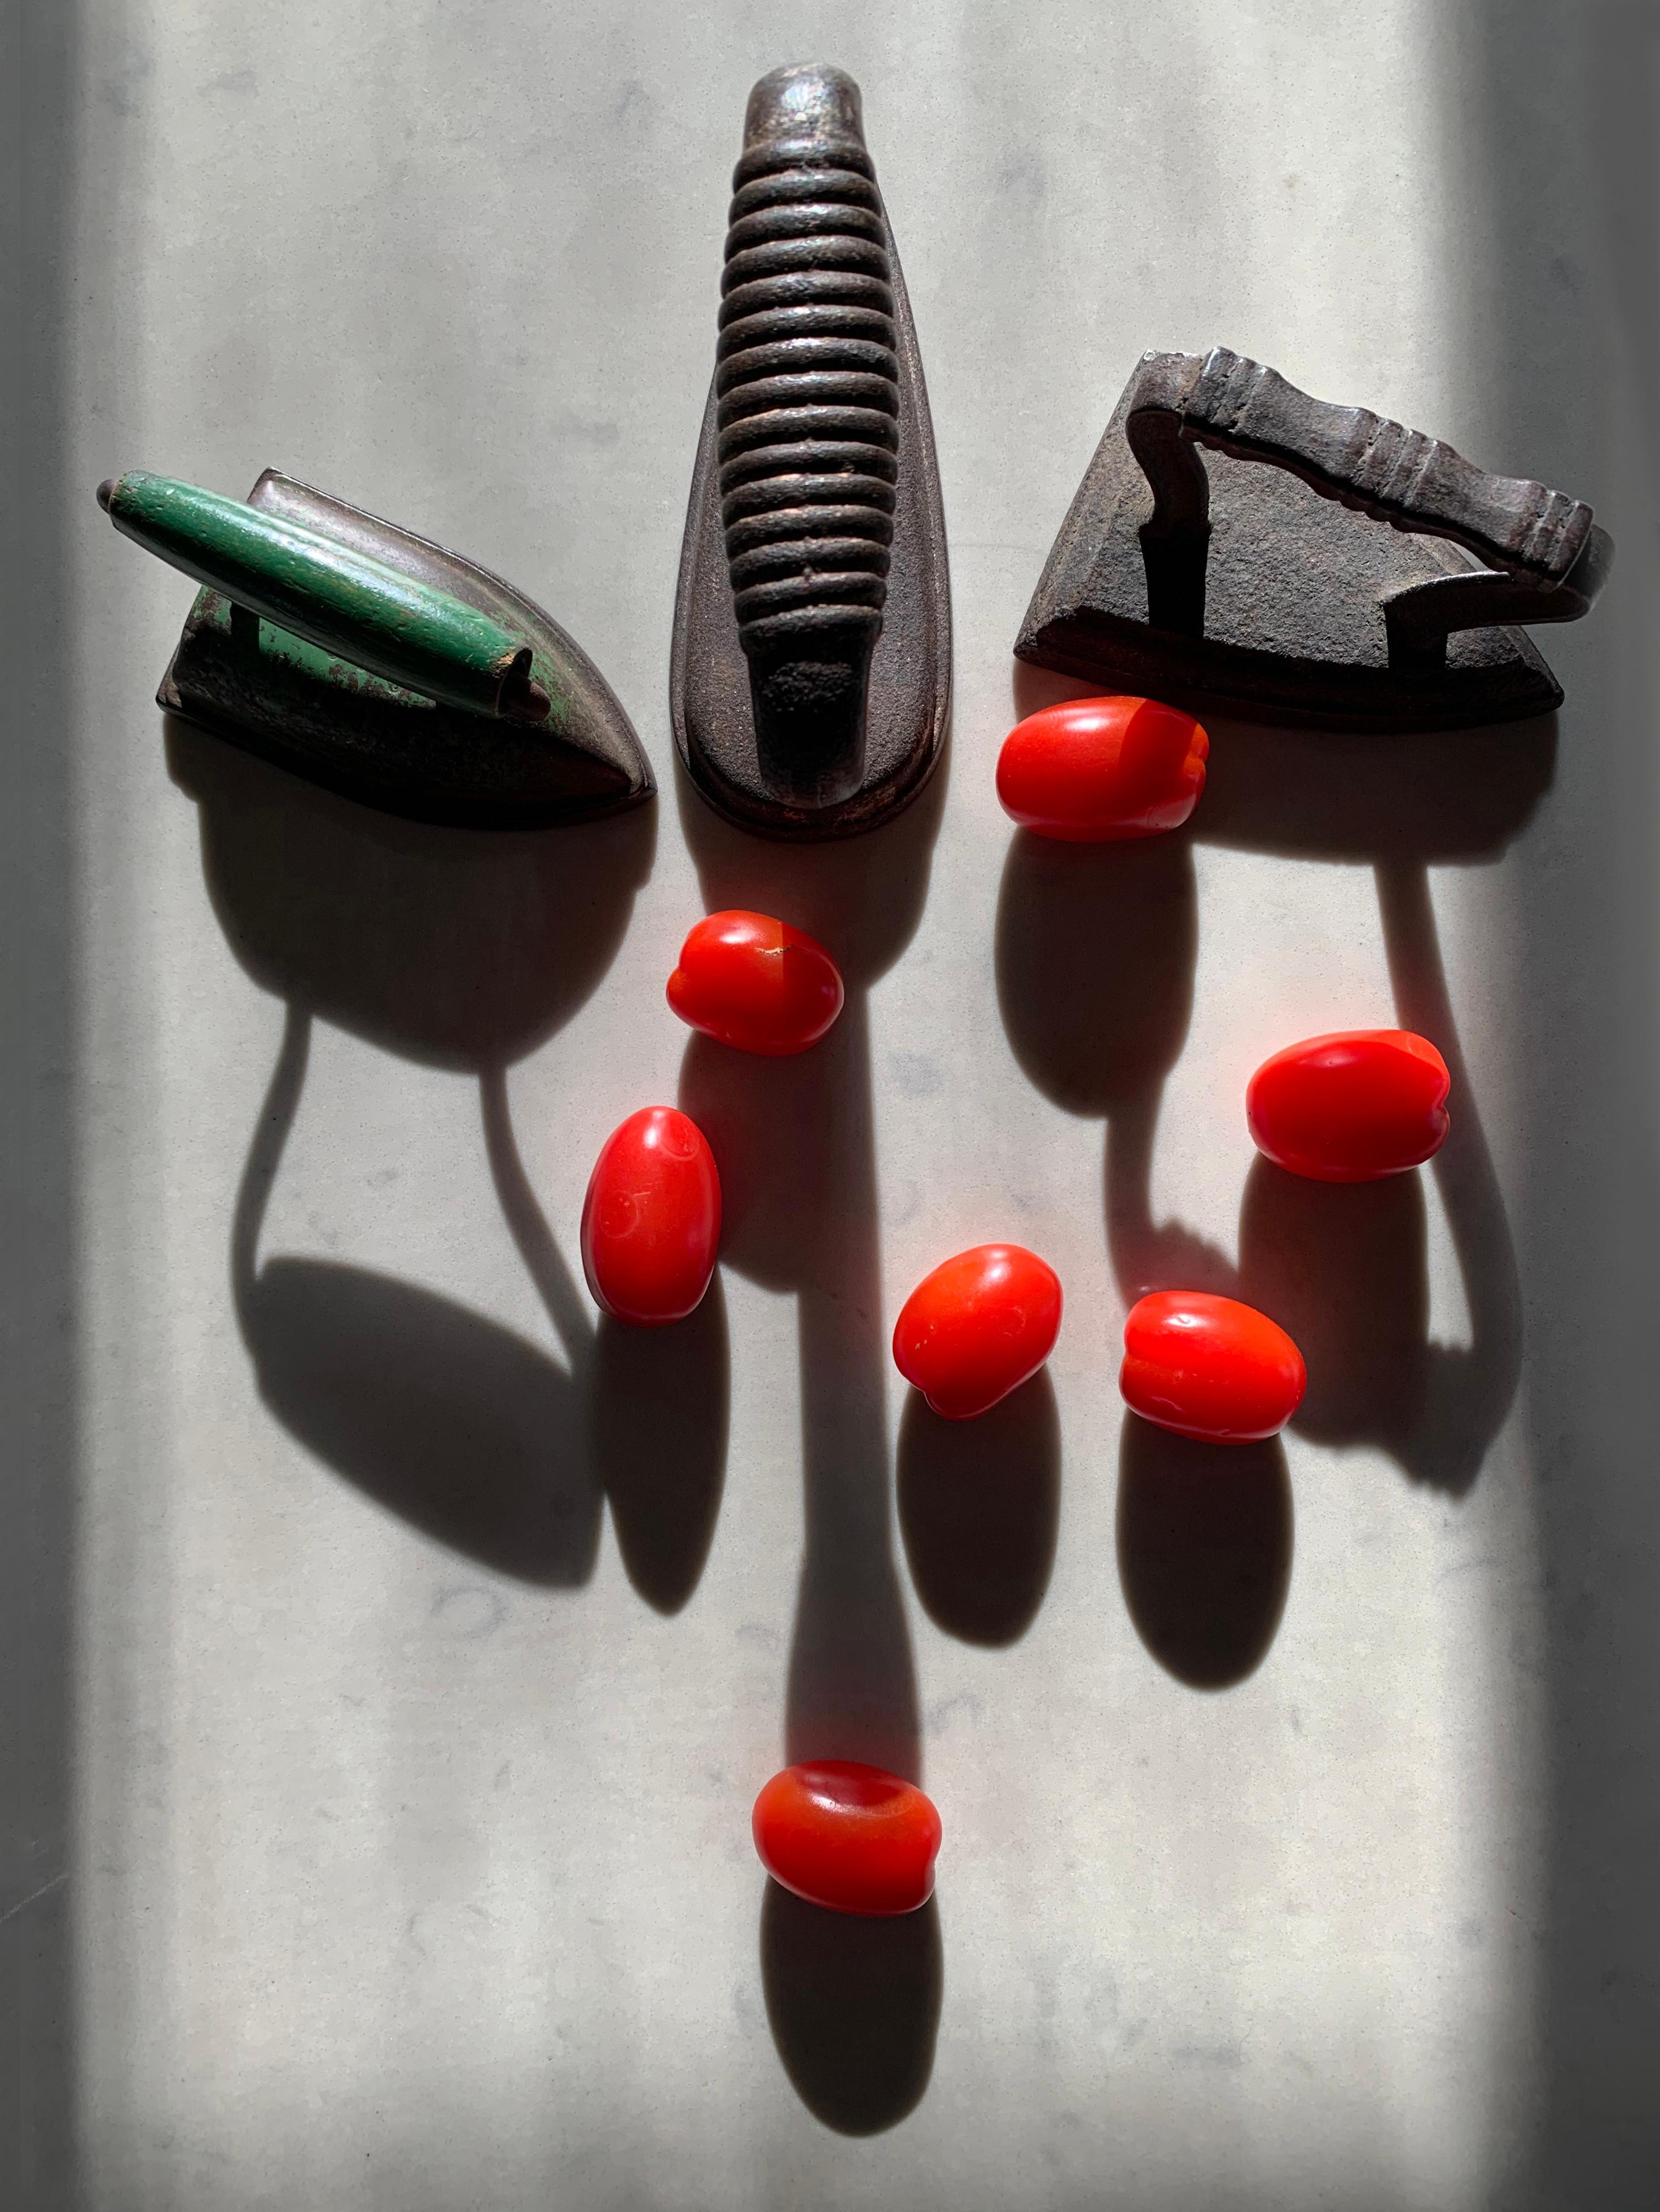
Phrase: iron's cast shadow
x=459 y=949
x=854 y=2004
x=794 y=1141
x=462 y=1427
x=1095 y=954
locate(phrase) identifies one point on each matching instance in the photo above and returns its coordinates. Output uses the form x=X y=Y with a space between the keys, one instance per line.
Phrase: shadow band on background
x=41 y=1098
x=1552 y=113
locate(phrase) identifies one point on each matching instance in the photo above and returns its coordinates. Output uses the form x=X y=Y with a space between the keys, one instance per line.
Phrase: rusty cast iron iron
x=1325 y=568
x=812 y=667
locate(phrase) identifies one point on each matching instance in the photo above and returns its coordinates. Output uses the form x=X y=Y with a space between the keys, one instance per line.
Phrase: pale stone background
x=366 y=1851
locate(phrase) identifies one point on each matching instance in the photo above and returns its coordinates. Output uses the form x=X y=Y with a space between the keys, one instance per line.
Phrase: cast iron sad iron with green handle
x=811 y=670
x=1366 y=578
x=378 y=665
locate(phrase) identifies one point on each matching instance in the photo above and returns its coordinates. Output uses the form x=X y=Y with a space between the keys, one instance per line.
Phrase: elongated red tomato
x=1090 y=771
x=651 y=1223
x=854 y=1838
x=1352 y=1106
x=1209 y=1367
x=755 y=982
x=977 y=1327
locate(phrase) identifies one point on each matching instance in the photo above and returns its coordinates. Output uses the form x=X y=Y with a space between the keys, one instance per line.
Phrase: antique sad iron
x=812 y=668
x=366 y=659
x=1328 y=568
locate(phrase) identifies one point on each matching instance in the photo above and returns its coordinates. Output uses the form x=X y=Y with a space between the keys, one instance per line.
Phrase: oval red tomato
x=754 y=982
x=977 y=1327
x=851 y=1837
x=1209 y=1367
x=651 y=1222
x=1351 y=1106
x=1090 y=771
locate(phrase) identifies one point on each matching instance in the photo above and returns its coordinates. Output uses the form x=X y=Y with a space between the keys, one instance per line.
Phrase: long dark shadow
x=1553 y=113
x=463 y=950
x=980 y=1512
x=854 y=2005
x=446 y=1418
x=852 y=1681
x=1205 y=1534
x=657 y=1398
x=567 y=1308
x=1097 y=950
x=38 y=2157
x=1467 y=1390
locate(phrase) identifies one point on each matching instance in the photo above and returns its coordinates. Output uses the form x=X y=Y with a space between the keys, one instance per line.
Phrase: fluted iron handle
x=1545 y=557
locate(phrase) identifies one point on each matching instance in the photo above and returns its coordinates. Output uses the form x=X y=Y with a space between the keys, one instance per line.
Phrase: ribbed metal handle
x=806 y=372
x=807 y=390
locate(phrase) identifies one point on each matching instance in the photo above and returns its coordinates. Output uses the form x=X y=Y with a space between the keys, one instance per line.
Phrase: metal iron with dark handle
x=1316 y=618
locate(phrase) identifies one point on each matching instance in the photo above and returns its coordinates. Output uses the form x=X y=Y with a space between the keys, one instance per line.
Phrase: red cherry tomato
x=1209 y=1367
x=1091 y=770
x=854 y=1838
x=755 y=984
x=977 y=1327
x=1350 y=1107
x=651 y=1223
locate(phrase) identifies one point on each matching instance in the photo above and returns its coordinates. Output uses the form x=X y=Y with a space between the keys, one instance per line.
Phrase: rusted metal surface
x=1324 y=566
x=328 y=719
x=811 y=670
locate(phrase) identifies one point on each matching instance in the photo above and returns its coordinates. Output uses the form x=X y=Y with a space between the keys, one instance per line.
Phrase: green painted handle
x=332 y=596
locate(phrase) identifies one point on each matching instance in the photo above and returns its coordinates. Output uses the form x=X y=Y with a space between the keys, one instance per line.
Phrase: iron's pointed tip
x=808 y=100
x=106 y=493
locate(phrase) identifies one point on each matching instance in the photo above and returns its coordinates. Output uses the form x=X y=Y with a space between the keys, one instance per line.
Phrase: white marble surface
x=411 y=1865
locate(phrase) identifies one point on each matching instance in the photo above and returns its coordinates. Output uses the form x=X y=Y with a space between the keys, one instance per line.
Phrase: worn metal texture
x=811 y=663
x=331 y=721
x=1324 y=567
x=330 y=595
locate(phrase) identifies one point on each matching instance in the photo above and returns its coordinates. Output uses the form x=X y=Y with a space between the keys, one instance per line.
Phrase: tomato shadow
x=660 y=1417
x=464 y=951
x=980 y=1512
x=1096 y=954
x=1204 y=1540
x=854 y=2005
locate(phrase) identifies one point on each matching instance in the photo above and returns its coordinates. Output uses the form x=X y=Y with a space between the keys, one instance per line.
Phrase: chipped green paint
x=331 y=599
x=213 y=611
